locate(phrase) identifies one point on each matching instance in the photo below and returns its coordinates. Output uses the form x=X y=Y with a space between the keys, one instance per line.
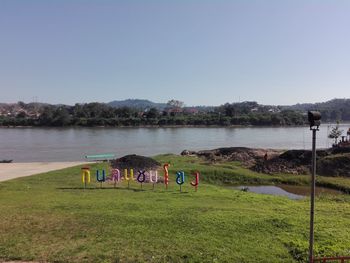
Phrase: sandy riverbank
x=10 y=171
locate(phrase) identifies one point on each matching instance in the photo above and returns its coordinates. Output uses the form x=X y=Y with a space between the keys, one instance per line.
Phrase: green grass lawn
x=50 y=217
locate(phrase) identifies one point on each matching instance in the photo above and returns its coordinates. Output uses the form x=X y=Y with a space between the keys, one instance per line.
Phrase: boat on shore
x=6 y=161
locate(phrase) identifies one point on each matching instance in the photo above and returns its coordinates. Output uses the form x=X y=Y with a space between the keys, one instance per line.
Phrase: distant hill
x=137 y=103
x=332 y=110
x=334 y=104
x=147 y=104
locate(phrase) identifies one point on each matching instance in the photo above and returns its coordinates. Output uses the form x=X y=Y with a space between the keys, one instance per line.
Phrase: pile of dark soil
x=279 y=165
x=340 y=150
x=301 y=157
x=334 y=165
x=135 y=162
x=248 y=156
x=291 y=162
x=299 y=162
x=330 y=162
x=262 y=160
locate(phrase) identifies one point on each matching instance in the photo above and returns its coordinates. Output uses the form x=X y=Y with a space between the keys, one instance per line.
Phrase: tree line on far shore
x=100 y=114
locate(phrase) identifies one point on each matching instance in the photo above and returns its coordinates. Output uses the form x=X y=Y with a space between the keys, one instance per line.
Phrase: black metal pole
x=313 y=186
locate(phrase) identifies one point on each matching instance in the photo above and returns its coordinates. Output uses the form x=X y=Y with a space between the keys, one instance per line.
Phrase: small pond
x=291 y=191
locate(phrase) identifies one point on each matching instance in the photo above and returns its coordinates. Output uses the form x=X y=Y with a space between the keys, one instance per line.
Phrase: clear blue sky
x=200 y=52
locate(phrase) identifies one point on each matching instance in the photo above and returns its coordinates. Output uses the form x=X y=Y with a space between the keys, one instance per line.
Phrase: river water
x=72 y=144
x=294 y=192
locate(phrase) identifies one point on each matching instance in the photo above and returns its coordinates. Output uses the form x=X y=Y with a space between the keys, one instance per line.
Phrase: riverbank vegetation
x=172 y=114
x=50 y=217
x=96 y=114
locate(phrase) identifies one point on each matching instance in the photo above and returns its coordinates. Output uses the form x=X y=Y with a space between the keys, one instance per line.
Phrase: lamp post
x=314 y=118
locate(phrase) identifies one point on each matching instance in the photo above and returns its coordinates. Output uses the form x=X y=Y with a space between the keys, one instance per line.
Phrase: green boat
x=100 y=157
x=6 y=161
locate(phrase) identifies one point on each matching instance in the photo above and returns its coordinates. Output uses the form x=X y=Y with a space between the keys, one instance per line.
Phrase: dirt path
x=10 y=171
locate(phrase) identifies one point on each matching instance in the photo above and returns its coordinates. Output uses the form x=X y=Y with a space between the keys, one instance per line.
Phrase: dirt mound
x=291 y=162
x=334 y=165
x=267 y=161
x=279 y=165
x=276 y=161
x=136 y=162
x=301 y=157
x=248 y=156
x=340 y=150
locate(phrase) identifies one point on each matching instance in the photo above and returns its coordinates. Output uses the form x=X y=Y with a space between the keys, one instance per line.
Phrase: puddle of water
x=291 y=191
x=306 y=190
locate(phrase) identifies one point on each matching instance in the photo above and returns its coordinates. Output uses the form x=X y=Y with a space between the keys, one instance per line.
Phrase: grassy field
x=50 y=217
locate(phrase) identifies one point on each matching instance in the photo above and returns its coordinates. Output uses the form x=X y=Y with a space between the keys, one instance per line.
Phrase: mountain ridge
x=142 y=104
x=136 y=103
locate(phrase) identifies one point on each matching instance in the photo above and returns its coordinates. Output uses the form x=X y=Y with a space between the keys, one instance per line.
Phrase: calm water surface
x=71 y=144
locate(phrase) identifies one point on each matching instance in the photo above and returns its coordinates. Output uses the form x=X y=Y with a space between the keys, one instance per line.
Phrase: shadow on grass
x=125 y=189
x=98 y=188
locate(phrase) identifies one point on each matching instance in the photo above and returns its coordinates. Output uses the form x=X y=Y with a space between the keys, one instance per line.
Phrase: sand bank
x=10 y=171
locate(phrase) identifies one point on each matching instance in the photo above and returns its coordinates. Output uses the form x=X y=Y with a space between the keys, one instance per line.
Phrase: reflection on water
x=71 y=144
x=291 y=191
